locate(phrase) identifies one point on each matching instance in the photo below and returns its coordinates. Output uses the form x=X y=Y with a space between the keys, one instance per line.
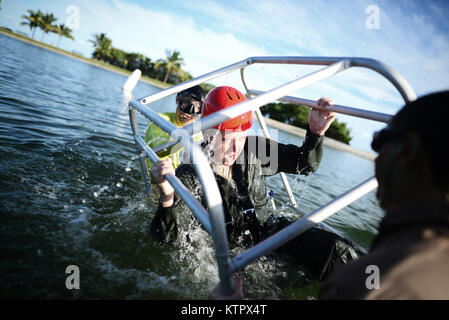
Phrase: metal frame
x=214 y=220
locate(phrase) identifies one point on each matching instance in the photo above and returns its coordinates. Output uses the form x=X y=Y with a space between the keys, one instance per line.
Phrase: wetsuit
x=244 y=193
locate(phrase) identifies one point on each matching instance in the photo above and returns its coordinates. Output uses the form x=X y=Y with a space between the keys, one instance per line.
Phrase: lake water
x=71 y=193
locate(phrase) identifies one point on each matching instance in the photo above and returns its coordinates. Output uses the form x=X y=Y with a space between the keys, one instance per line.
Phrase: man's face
x=187 y=104
x=225 y=146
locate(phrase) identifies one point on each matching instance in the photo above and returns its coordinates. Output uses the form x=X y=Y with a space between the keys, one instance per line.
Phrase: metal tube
x=296 y=228
x=145 y=175
x=242 y=75
x=188 y=84
x=165 y=125
x=216 y=214
x=395 y=78
x=127 y=89
x=335 y=65
x=404 y=88
x=190 y=201
x=143 y=166
x=248 y=105
x=361 y=113
x=282 y=174
x=325 y=226
x=165 y=146
x=216 y=223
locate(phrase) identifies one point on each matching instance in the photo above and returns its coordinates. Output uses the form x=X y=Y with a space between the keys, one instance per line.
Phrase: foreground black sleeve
x=278 y=157
x=167 y=222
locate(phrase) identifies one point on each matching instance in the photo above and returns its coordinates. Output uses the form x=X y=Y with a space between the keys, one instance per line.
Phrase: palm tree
x=172 y=62
x=32 y=20
x=63 y=31
x=46 y=24
x=117 y=57
x=180 y=75
x=103 y=47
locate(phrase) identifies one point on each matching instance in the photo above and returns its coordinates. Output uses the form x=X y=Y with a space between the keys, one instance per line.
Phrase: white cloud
x=151 y=32
x=9 y=17
x=213 y=34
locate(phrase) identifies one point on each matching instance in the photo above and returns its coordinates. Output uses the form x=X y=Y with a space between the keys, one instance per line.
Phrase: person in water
x=409 y=257
x=240 y=164
x=189 y=104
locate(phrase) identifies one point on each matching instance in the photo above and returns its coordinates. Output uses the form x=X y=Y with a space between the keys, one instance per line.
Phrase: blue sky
x=412 y=37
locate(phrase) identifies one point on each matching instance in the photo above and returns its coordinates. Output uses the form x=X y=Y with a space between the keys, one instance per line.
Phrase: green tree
x=147 y=66
x=298 y=115
x=168 y=69
x=207 y=87
x=102 y=46
x=117 y=57
x=134 y=61
x=179 y=76
x=32 y=20
x=171 y=63
x=46 y=24
x=339 y=131
x=63 y=31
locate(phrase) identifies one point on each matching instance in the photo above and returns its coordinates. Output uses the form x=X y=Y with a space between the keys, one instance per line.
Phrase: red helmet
x=224 y=97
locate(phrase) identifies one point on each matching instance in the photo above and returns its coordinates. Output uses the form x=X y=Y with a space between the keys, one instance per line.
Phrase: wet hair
x=196 y=93
x=428 y=116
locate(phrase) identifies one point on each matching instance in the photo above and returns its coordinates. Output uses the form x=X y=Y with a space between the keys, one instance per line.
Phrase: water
x=71 y=193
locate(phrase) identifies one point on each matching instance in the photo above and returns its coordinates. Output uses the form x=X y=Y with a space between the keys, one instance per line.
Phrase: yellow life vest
x=155 y=137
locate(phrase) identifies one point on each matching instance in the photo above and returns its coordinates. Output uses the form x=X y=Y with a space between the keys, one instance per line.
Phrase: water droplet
x=128 y=169
x=119 y=184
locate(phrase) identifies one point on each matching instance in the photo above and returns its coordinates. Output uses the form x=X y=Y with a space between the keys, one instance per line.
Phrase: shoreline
x=93 y=62
x=329 y=142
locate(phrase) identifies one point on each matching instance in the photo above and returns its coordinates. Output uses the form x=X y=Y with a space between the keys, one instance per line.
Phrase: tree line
x=297 y=115
x=45 y=22
x=169 y=70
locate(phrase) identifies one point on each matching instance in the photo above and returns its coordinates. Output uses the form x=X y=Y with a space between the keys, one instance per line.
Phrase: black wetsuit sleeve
x=167 y=222
x=277 y=157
